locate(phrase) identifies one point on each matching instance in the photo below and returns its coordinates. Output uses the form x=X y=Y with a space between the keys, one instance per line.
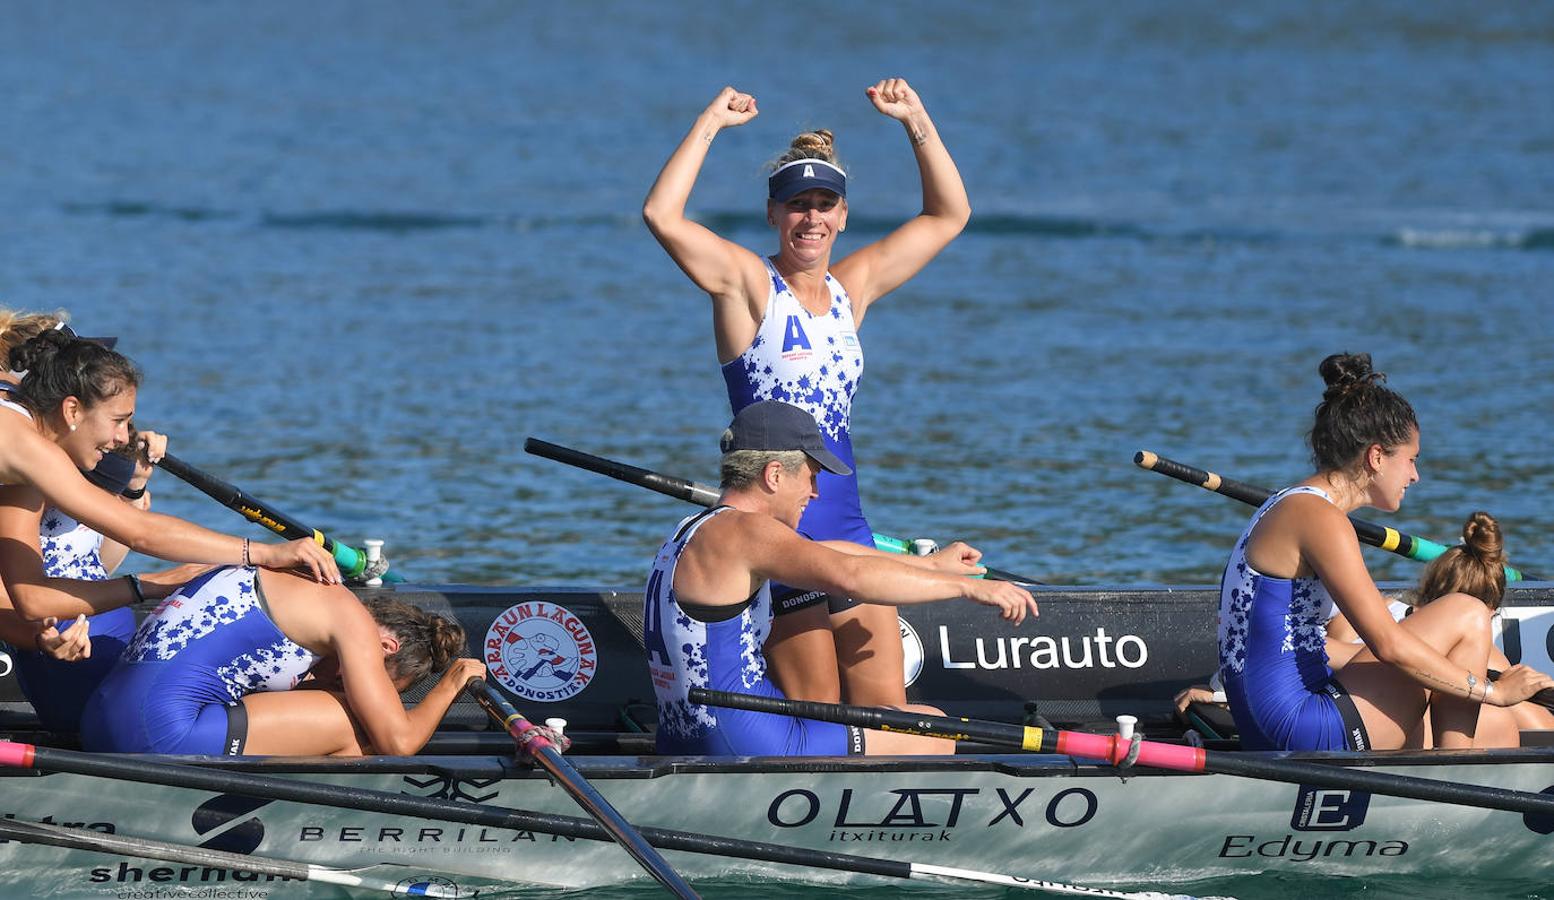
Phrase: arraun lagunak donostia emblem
x=541 y=651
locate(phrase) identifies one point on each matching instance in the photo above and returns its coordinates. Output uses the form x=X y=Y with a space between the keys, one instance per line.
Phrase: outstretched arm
x=1328 y=543
x=32 y=592
x=881 y=267
x=730 y=274
x=26 y=457
x=779 y=553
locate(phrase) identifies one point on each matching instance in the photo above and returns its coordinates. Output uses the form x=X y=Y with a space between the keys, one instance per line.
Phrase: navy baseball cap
x=802 y=174
x=776 y=426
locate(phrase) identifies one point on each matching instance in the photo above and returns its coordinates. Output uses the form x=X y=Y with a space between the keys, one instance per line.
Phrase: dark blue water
x=363 y=249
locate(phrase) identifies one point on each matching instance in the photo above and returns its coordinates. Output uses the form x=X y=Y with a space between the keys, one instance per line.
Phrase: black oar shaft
x=1376 y=535
x=125 y=768
x=1236 y=490
x=352 y=562
x=679 y=488
x=1154 y=754
x=700 y=494
x=235 y=499
x=1389 y=539
x=573 y=782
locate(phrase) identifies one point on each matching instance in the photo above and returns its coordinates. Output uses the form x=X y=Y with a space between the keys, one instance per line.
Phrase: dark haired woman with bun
x=48 y=451
x=44 y=550
x=785 y=327
x=1299 y=556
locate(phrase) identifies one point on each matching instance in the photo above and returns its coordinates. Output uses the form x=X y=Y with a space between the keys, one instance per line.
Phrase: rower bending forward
x=708 y=606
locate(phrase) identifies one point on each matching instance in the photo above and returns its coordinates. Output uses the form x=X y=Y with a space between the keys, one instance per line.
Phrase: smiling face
x=793 y=491
x=1392 y=471
x=807 y=224
x=98 y=428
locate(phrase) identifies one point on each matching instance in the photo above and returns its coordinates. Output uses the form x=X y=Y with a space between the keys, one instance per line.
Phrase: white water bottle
x=374 y=553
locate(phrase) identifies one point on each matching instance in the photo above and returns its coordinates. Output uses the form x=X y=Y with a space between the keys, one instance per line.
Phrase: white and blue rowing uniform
x=813 y=362
x=720 y=648
x=1273 y=656
x=180 y=684
x=57 y=689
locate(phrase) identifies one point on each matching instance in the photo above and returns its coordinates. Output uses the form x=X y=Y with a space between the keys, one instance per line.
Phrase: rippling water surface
x=363 y=250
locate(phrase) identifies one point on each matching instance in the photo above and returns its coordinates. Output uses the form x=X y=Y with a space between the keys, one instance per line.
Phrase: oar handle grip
x=1108 y=747
x=1236 y=490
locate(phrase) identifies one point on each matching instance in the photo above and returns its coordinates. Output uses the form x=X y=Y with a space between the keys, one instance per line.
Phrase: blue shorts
x=741 y=732
x=118 y=721
x=1270 y=716
x=58 y=690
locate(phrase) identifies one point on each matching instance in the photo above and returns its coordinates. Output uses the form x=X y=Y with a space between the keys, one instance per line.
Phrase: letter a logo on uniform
x=809 y=171
x=794 y=336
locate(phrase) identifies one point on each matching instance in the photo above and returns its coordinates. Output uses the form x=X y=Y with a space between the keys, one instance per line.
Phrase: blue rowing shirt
x=685 y=653
x=58 y=690
x=1273 y=653
x=201 y=650
x=812 y=362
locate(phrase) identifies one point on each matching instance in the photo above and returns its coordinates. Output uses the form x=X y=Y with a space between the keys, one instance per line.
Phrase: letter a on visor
x=802 y=174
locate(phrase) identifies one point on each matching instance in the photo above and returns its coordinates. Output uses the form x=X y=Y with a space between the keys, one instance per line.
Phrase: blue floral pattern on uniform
x=690 y=649
x=821 y=378
x=1305 y=621
x=70 y=549
x=195 y=610
x=277 y=667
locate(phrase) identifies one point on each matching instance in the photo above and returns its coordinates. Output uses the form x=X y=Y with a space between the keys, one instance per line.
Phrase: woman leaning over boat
x=785 y=329
x=28 y=457
x=1299 y=555
x=218 y=668
x=38 y=542
x=187 y=681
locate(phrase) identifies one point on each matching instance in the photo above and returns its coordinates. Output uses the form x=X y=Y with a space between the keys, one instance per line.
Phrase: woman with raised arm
x=785 y=328
x=1300 y=555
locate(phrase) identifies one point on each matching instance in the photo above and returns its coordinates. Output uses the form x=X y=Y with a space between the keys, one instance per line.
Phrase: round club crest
x=541 y=651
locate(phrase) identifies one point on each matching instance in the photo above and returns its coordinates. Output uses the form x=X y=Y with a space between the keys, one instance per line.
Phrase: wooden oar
x=221 y=781
x=1114 y=749
x=700 y=494
x=573 y=782
x=1389 y=539
x=352 y=562
x=145 y=848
